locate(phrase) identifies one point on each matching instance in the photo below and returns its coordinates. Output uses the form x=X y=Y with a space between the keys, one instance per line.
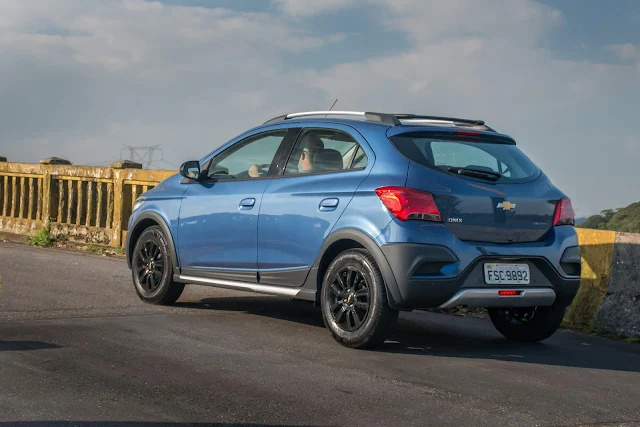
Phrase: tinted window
x=250 y=158
x=322 y=150
x=360 y=161
x=504 y=159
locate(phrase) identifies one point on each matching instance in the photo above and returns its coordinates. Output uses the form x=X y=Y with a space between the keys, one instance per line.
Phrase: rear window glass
x=503 y=162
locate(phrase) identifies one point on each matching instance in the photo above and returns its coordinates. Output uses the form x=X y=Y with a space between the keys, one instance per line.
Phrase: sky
x=81 y=78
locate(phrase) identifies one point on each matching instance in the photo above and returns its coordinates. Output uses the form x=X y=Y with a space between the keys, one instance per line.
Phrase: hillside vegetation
x=623 y=219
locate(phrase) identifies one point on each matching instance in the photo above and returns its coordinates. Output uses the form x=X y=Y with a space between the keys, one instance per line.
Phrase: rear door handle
x=247 y=204
x=328 y=205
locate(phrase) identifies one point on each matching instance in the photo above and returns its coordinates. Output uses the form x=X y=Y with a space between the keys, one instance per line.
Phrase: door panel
x=218 y=225
x=216 y=230
x=299 y=210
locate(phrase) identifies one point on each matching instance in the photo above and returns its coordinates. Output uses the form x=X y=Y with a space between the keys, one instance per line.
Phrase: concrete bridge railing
x=86 y=203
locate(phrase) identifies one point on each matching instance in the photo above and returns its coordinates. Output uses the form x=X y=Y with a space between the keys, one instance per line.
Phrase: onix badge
x=506 y=206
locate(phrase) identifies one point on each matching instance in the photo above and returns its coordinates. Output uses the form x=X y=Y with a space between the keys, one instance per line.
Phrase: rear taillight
x=564 y=214
x=409 y=204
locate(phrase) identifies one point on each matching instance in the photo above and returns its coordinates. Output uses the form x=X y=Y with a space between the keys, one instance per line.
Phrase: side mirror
x=191 y=170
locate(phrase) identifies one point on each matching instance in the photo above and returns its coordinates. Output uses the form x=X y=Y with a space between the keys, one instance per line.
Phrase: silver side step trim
x=528 y=297
x=240 y=286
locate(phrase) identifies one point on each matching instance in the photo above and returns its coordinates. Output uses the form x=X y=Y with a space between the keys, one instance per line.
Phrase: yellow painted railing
x=81 y=202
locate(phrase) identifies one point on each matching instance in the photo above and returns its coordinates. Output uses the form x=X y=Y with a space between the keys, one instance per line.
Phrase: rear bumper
x=429 y=276
x=526 y=297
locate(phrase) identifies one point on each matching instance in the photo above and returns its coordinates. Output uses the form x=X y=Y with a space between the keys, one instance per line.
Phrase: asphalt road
x=78 y=347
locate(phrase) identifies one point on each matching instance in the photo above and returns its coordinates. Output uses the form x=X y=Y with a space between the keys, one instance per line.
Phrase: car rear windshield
x=479 y=159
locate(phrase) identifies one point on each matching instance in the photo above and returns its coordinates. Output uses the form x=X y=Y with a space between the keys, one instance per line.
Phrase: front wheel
x=152 y=268
x=527 y=324
x=354 y=301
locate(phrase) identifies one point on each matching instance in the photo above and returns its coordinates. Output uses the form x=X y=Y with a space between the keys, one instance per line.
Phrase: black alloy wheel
x=350 y=299
x=354 y=301
x=152 y=268
x=149 y=266
x=518 y=315
x=527 y=324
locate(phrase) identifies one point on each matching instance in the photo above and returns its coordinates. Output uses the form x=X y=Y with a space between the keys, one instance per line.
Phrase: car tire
x=529 y=324
x=352 y=280
x=152 y=269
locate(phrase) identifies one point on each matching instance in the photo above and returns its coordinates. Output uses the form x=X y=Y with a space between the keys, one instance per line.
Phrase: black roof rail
x=389 y=119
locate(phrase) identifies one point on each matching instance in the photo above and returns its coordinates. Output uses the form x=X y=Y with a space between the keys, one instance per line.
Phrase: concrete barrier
x=609 y=295
x=620 y=309
x=85 y=203
x=597 y=252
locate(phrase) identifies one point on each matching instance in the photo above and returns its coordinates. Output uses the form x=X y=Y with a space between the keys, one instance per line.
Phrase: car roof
x=395 y=123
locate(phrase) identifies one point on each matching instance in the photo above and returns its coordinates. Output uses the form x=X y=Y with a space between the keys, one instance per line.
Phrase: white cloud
x=433 y=20
x=312 y=7
x=625 y=51
x=81 y=78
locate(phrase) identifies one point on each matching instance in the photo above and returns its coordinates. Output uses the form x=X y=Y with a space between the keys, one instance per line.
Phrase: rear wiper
x=476 y=173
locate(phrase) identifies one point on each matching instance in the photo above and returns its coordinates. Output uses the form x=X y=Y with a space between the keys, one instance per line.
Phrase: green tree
x=625 y=219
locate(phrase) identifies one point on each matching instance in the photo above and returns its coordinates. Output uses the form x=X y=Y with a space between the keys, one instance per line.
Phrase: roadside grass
x=92 y=247
x=42 y=238
x=45 y=239
x=103 y=250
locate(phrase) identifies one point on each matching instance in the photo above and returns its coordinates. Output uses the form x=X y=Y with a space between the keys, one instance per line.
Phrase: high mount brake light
x=467 y=133
x=409 y=204
x=564 y=214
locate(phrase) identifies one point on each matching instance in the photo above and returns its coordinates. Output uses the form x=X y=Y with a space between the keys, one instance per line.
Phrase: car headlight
x=138 y=203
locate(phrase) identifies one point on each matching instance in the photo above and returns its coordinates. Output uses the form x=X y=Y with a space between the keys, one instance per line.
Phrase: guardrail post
x=46 y=198
x=118 y=197
x=119 y=174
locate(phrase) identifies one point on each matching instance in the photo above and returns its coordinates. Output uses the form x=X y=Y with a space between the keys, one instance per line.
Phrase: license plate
x=506 y=274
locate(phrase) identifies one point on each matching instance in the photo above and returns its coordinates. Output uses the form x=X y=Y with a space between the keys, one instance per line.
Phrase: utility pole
x=143 y=155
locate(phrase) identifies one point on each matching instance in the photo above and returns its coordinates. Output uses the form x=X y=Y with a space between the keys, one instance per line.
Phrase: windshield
x=500 y=162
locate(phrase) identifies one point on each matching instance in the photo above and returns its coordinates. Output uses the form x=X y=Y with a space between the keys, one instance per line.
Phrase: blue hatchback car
x=365 y=214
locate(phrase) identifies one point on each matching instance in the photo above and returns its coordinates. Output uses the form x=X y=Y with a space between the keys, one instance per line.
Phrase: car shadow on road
x=440 y=335
x=25 y=346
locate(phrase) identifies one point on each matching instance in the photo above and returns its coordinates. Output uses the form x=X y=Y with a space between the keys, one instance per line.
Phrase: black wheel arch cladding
x=142 y=223
x=393 y=294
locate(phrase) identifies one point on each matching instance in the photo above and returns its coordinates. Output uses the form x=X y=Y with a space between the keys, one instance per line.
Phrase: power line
x=141 y=154
x=168 y=163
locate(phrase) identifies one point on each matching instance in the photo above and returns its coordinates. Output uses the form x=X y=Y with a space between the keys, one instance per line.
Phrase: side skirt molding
x=242 y=286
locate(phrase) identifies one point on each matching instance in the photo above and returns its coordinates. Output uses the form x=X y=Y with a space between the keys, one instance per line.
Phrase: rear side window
x=325 y=150
x=501 y=162
x=360 y=160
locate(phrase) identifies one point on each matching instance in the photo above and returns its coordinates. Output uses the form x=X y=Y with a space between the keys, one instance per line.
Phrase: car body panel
x=216 y=231
x=299 y=211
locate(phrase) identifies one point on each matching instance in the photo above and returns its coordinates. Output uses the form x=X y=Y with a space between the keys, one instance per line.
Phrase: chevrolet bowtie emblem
x=506 y=206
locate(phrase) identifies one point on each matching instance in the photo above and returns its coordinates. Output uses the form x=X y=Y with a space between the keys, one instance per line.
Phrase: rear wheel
x=354 y=301
x=152 y=268
x=527 y=324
